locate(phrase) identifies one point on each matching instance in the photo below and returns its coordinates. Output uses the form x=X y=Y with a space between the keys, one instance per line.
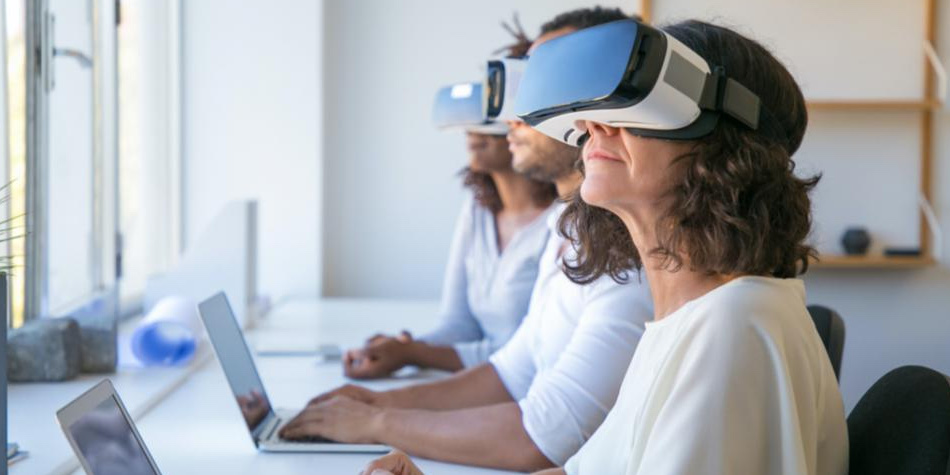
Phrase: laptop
x=103 y=435
x=263 y=422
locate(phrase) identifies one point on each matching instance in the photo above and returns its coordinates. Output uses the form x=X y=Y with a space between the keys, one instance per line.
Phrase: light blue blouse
x=485 y=294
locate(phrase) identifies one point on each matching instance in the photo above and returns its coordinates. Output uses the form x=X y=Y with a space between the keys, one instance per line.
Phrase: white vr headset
x=482 y=107
x=463 y=106
x=627 y=74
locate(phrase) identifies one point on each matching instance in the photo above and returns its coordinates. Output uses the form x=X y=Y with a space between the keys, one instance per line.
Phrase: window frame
x=39 y=47
x=107 y=264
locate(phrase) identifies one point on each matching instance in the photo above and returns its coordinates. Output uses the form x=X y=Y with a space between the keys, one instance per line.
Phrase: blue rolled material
x=163 y=343
x=168 y=335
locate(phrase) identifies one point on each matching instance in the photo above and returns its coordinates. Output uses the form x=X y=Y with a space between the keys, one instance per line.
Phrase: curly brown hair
x=486 y=194
x=738 y=208
x=522 y=43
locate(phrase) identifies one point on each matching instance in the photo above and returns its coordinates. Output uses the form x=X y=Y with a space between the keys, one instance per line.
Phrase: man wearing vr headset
x=687 y=136
x=546 y=391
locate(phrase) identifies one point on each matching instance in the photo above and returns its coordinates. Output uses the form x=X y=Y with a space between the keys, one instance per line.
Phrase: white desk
x=198 y=428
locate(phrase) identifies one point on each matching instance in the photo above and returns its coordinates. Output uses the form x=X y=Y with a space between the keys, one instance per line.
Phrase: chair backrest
x=902 y=425
x=831 y=329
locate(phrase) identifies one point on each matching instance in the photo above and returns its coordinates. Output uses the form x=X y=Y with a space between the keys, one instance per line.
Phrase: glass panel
x=131 y=209
x=16 y=94
x=145 y=152
x=72 y=241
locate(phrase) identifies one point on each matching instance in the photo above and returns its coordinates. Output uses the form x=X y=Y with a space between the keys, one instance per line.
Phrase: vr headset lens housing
x=481 y=107
x=568 y=70
x=631 y=75
x=501 y=87
x=461 y=105
x=458 y=105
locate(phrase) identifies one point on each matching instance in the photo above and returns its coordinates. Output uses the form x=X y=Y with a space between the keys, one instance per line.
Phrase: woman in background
x=493 y=262
x=492 y=266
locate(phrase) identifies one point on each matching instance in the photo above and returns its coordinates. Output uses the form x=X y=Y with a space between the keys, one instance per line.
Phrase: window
x=97 y=162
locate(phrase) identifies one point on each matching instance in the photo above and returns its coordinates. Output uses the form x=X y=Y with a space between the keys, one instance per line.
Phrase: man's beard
x=552 y=162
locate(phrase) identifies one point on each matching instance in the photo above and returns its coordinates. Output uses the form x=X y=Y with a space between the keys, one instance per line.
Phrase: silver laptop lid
x=103 y=435
x=238 y=365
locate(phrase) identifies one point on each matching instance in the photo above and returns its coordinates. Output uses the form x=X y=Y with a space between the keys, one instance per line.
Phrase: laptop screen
x=105 y=439
x=236 y=360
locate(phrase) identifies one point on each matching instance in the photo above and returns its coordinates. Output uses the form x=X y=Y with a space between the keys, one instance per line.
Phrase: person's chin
x=477 y=163
x=521 y=160
x=595 y=191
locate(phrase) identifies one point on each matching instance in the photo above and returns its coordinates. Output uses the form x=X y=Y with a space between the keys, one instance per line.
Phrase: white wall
x=896 y=318
x=391 y=192
x=251 y=90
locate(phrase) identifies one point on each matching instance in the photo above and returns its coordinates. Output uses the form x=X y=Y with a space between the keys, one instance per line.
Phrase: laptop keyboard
x=307 y=439
x=310 y=439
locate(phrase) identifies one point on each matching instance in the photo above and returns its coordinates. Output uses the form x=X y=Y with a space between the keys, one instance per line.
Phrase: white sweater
x=485 y=293
x=566 y=362
x=735 y=382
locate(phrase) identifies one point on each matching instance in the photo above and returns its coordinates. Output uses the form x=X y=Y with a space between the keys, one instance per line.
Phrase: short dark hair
x=738 y=207
x=585 y=18
x=576 y=19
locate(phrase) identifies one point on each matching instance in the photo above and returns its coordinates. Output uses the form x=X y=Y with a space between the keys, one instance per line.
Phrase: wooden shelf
x=872 y=262
x=878 y=105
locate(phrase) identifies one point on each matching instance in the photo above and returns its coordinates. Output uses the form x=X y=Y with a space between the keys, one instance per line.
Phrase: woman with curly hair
x=493 y=264
x=731 y=376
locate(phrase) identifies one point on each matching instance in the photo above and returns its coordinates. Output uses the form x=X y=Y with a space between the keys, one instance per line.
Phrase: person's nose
x=600 y=129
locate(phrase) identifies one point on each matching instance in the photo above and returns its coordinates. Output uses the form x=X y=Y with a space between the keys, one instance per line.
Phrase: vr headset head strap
x=724 y=94
x=721 y=95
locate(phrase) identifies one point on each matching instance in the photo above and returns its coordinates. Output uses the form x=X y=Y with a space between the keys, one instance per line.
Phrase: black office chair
x=831 y=329
x=902 y=425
